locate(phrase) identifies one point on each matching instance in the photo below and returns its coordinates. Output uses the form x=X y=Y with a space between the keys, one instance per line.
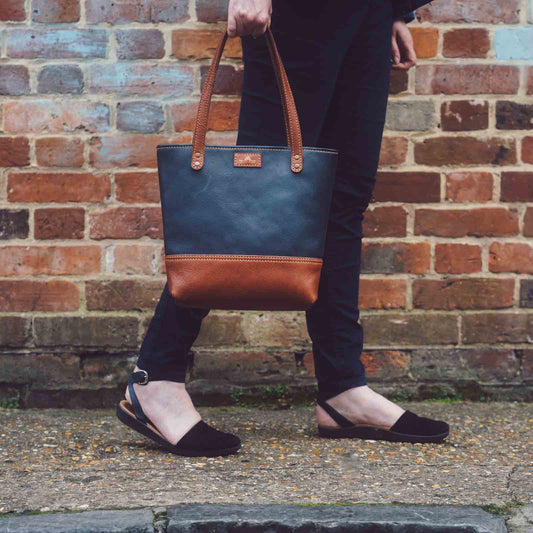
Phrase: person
x=338 y=60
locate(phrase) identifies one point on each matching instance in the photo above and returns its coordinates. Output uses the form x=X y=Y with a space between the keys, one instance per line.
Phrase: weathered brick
x=480 y=364
x=464 y=115
x=127 y=223
x=513 y=115
x=137 y=187
x=136 y=259
x=466 y=42
x=386 y=365
x=14 y=331
x=526 y=371
x=228 y=80
x=86 y=332
x=201 y=44
x=385 y=221
x=140 y=44
x=60 y=79
x=55 y=116
x=14 y=151
x=393 y=258
x=223 y=115
x=33 y=295
x=469 y=186
x=39 y=368
x=526 y=293
x=528 y=222
x=410 y=329
x=441 y=151
x=143 y=117
x=426 y=41
x=54 y=11
x=61 y=187
x=456 y=258
x=211 y=10
x=274 y=330
x=493 y=328
x=14 y=224
x=125 y=151
x=59 y=152
x=59 y=223
x=13 y=11
x=492 y=12
x=393 y=151
x=14 y=79
x=49 y=260
x=529 y=80
x=483 y=222
x=511 y=257
x=155 y=11
x=399 y=81
x=410 y=115
x=467 y=79
x=382 y=293
x=136 y=79
x=517 y=187
x=218 y=330
x=407 y=187
x=513 y=43
x=51 y=43
x=527 y=149
x=124 y=294
x=463 y=293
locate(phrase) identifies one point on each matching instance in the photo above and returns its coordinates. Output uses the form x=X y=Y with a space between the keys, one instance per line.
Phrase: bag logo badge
x=247 y=159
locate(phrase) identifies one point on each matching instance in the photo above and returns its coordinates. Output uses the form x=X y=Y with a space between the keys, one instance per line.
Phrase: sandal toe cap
x=410 y=423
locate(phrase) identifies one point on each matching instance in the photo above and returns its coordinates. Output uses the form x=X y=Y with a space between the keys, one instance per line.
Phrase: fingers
x=403 y=50
x=395 y=51
x=247 y=17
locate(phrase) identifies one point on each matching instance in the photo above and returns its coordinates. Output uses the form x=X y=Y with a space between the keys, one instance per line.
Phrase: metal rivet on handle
x=197 y=154
x=296 y=165
x=296 y=156
x=197 y=163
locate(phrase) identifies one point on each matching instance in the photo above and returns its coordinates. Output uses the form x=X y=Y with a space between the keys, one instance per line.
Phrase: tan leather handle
x=292 y=124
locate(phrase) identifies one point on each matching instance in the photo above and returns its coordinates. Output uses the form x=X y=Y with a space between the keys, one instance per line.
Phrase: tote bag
x=244 y=226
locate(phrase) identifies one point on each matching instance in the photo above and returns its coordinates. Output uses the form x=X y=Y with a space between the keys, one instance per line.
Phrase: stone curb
x=222 y=518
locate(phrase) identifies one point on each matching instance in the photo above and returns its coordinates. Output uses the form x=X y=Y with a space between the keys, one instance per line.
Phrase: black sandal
x=408 y=428
x=201 y=440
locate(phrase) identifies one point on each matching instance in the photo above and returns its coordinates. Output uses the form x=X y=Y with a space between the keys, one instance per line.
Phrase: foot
x=361 y=405
x=168 y=406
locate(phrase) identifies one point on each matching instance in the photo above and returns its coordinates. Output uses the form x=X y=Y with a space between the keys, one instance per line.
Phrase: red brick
x=127 y=223
x=527 y=149
x=12 y=10
x=385 y=365
x=53 y=223
x=14 y=79
x=64 y=187
x=137 y=11
x=463 y=293
x=31 y=295
x=14 y=151
x=464 y=115
x=482 y=222
x=201 y=44
x=455 y=258
x=382 y=293
x=49 y=260
x=530 y=80
x=393 y=151
x=466 y=42
x=228 y=80
x=469 y=186
x=59 y=152
x=137 y=259
x=385 y=221
x=211 y=10
x=140 y=44
x=489 y=11
x=137 y=187
x=467 y=79
x=396 y=257
x=407 y=187
x=399 y=81
x=125 y=151
x=223 y=115
x=492 y=328
x=54 y=11
x=511 y=257
x=517 y=187
x=528 y=222
x=426 y=41
x=441 y=151
x=129 y=295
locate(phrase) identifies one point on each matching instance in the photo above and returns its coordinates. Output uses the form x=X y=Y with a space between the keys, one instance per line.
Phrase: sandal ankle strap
x=140 y=377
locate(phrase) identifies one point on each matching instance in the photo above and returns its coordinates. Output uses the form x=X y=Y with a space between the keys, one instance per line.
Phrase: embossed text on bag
x=246 y=159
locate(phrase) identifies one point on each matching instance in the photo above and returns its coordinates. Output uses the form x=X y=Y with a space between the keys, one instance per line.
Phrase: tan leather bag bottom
x=243 y=282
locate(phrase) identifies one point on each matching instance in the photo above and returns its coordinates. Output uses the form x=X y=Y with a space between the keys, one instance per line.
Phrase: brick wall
x=90 y=87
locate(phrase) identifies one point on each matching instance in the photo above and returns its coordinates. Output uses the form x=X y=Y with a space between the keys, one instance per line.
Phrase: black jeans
x=337 y=58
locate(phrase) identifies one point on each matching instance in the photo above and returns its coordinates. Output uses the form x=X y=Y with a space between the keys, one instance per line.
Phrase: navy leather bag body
x=244 y=226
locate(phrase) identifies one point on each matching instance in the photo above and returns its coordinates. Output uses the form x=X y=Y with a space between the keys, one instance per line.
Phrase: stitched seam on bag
x=256 y=258
x=241 y=147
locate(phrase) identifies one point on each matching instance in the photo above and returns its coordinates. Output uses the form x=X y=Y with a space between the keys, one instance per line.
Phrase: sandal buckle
x=144 y=378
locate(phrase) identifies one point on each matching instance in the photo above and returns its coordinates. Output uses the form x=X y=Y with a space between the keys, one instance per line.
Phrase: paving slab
x=66 y=460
